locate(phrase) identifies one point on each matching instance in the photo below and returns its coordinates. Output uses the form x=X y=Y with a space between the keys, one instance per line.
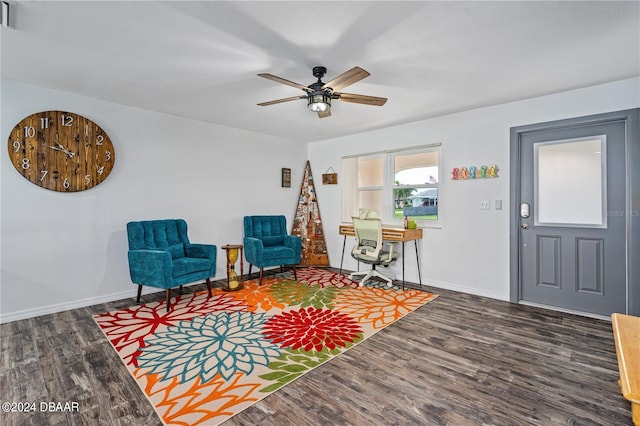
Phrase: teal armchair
x=267 y=243
x=160 y=255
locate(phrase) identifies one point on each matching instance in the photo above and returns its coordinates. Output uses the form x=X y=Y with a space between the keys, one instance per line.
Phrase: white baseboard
x=74 y=304
x=466 y=289
x=567 y=311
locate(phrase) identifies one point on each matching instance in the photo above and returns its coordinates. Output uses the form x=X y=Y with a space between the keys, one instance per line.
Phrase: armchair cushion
x=277 y=240
x=189 y=265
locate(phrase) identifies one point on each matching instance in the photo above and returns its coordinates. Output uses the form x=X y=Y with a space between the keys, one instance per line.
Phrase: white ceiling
x=199 y=59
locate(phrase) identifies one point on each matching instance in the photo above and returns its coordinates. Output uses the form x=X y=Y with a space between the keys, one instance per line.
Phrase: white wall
x=470 y=252
x=61 y=251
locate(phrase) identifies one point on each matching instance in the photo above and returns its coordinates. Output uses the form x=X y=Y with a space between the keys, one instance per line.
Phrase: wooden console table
x=388 y=234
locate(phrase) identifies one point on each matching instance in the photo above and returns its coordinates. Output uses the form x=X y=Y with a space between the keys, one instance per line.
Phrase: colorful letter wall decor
x=473 y=172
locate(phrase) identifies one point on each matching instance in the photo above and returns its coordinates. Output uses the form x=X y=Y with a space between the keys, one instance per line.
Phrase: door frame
x=631 y=118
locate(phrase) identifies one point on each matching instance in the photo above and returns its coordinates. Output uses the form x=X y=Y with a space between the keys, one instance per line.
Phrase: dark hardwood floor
x=459 y=360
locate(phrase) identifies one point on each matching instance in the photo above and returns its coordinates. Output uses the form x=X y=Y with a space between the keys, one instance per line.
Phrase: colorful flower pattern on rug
x=126 y=329
x=312 y=329
x=224 y=344
x=210 y=358
x=324 y=278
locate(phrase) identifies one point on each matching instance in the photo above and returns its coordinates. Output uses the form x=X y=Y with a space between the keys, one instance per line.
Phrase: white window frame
x=351 y=191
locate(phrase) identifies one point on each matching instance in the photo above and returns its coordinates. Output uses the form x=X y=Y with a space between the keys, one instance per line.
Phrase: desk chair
x=369 y=249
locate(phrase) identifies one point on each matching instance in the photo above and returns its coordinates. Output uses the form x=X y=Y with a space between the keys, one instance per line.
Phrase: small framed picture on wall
x=286 y=178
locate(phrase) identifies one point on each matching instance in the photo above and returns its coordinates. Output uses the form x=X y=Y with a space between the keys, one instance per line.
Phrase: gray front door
x=573 y=215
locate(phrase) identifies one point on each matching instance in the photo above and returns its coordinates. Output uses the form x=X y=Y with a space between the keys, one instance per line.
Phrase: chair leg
x=139 y=293
x=261 y=275
x=295 y=276
x=358 y=274
x=168 y=298
x=209 y=286
x=180 y=290
x=250 y=265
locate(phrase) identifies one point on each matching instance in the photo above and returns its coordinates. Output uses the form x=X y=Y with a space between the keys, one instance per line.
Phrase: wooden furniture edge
x=388 y=233
x=626 y=333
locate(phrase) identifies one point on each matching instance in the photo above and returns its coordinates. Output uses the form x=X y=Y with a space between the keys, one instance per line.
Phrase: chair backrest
x=369 y=238
x=164 y=234
x=270 y=229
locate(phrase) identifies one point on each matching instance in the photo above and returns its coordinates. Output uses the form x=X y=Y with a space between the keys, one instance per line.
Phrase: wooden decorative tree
x=307 y=224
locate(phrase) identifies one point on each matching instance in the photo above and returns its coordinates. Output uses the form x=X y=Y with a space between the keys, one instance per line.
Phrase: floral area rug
x=211 y=357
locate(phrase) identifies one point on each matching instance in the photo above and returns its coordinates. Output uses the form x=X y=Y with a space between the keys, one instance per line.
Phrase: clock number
x=108 y=156
x=101 y=170
x=44 y=174
x=87 y=179
x=99 y=140
x=16 y=145
x=29 y=131
x=86 y=130
x=67 y=120
x=25 y=163
x=44 y=123
x=66 y=183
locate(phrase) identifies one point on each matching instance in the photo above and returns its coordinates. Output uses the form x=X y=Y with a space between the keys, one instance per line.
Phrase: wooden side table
x=234 y=282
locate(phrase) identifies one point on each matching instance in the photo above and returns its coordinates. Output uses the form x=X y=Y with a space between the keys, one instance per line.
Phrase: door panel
x=572 y=251
x=590 y=266
x=548 y=266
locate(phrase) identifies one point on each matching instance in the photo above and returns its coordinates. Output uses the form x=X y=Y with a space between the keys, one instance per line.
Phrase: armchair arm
x=253 y=250
x=203 y=251
x=150 y=267
x=295 y=243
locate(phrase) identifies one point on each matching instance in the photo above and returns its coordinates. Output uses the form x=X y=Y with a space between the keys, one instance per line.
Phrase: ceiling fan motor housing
x=319 y=72
x=319 y=99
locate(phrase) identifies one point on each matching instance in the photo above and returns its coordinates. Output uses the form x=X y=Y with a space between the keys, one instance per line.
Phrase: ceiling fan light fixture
x=319 y=102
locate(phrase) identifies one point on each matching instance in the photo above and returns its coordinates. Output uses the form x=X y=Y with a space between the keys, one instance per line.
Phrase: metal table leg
x=403 y=266
x=344 y=242
x=418 y=260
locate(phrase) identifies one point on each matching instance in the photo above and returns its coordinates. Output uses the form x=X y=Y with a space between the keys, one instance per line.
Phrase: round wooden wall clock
x=61 y=151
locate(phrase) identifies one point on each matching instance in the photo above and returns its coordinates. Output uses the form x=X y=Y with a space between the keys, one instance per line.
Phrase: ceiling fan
x=319 y=94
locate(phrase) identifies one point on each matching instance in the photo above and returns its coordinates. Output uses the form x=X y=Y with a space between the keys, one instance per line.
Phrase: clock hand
x=54 y=148
x=63 y=149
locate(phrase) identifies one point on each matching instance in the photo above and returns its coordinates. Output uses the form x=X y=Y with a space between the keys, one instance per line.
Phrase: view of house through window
x=393 y=184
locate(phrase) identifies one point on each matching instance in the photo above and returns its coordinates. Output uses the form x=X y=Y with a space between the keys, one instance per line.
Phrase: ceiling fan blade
x=279 y=101
x=361 y=99
x=323 y=114
x=354 y=75
x=284 y=81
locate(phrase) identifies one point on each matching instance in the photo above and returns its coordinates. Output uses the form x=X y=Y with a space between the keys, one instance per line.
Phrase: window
x=395 y=184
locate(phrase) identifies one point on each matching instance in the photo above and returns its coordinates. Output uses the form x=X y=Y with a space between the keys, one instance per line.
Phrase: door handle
x=524 y=226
